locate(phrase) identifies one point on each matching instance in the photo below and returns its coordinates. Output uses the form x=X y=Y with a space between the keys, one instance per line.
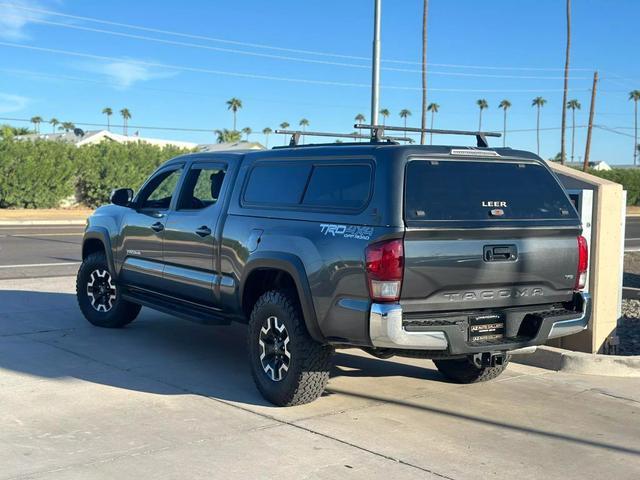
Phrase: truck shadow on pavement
x=45 y=335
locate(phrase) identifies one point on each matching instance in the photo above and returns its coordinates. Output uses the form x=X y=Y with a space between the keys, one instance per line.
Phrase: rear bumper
x=387 y=329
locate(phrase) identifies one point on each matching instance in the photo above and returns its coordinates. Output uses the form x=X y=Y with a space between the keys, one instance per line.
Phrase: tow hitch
x=489 y=359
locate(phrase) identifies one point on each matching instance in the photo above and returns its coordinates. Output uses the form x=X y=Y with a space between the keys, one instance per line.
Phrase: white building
x=79 y=137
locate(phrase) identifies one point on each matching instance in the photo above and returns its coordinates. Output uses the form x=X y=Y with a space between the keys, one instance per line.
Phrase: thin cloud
x=125 y=73
x=12 y=103
x=14 y=20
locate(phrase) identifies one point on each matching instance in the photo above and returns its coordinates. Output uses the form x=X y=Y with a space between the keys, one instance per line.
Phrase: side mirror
x=121 y=196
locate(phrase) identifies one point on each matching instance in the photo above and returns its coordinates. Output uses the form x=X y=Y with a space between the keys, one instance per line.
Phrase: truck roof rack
x=296 y=134
x=377 y=131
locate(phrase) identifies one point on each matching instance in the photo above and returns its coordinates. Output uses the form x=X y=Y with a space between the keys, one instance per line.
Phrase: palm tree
x=385 y=113
x=67 y=126
x=284 y=126
x=36 y=123
x=108 y=112
x=573 y=105
x=126 y=115
x=635 y=96
x=304 y=123
x=404 y=114
x=433 y=108
x=228 y=136
x=360 y=118
x=53 y=122
x=423 y=123
x=267 y=131
x=247 y=131
x=234 y=104
x=538 y=102
x=566 y=85
x=504 y=105
x=482 y=104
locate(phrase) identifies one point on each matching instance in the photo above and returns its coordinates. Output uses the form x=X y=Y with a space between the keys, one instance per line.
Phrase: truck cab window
x=202 y=187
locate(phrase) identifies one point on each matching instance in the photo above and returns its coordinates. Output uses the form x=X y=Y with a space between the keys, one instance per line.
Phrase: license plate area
x=486 y=327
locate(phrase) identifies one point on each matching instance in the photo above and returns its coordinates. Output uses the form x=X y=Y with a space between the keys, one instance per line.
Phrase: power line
x=260 y=76
x=200 y=95
x=287 y=58
x=613 y=130
x=140 y=127
x=210 y=130
x=269 y=47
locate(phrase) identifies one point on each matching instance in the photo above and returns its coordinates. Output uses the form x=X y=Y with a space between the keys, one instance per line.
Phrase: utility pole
x=423 y=122
x=375 y=74
x=566 y=85
x=585 y=165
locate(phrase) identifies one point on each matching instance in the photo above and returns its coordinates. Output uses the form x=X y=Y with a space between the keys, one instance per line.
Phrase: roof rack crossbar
x=378 y=130
x=296 y=134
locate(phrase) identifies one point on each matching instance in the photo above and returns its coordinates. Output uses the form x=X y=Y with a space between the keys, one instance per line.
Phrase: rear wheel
x=288 y=366
x=98 y=296
x=465 y=370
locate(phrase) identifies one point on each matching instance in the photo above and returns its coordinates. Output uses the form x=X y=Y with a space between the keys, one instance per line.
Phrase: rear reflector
x=583 y=262
x=385 y=266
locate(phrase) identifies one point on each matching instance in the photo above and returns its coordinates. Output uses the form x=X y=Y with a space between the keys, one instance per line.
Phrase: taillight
x=385 y=266
x=583 y=260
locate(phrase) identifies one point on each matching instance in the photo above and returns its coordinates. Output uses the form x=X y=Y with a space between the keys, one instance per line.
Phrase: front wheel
x=465 y=370
x=98 y=296
x=288 y=366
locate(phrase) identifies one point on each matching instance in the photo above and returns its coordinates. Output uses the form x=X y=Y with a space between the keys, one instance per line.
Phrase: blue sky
x=502 y=49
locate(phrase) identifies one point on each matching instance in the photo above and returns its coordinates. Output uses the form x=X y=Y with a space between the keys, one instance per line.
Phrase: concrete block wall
x=605 y=262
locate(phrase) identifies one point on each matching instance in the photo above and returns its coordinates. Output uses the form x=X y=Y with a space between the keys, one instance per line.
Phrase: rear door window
x=338 y=186
x=478 y=190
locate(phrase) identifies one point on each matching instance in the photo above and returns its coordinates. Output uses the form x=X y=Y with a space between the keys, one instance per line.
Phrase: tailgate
x=484 y=234
x=446 y=272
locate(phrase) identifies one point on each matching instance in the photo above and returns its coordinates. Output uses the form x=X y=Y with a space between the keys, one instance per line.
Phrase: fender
x=293 y=266
x=101 y=233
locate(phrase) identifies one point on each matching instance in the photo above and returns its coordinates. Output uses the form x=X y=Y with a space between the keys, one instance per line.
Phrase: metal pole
x=375 y=74
x=587 y=149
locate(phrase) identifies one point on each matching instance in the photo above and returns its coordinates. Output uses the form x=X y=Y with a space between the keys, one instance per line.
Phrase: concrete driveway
x=164 y=398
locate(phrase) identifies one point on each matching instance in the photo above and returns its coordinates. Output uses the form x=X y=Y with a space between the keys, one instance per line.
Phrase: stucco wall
x=605 y=257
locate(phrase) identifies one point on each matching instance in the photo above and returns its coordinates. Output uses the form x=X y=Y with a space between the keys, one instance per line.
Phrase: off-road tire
x=464 y=370
x=309 y=361
x=120 y=312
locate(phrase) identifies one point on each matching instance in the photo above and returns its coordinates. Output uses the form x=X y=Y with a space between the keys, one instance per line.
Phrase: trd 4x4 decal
x=347 y=231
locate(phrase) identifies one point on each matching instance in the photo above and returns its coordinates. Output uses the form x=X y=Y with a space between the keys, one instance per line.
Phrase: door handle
x=157 y=227
x=203 y=231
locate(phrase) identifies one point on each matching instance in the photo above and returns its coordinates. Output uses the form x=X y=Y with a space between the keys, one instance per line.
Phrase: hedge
x=629 y=178
x=105 y=166
x=36 y=175
x=42 y=174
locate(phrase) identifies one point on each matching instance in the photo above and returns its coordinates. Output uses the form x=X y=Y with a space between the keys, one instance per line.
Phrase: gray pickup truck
x=456 y=254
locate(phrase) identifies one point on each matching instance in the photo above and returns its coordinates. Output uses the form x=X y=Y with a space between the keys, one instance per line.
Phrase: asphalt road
x=39 y=251
x=54 y=250
x=632 y=234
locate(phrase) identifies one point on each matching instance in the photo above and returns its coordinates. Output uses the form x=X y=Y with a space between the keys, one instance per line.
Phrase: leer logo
x=494 y=203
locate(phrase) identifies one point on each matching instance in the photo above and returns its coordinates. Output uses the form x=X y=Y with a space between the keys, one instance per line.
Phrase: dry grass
x=45 y=213
x=633 y=210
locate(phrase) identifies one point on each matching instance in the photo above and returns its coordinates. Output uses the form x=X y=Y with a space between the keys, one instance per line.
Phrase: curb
x=17 y=223
x=568 y=361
